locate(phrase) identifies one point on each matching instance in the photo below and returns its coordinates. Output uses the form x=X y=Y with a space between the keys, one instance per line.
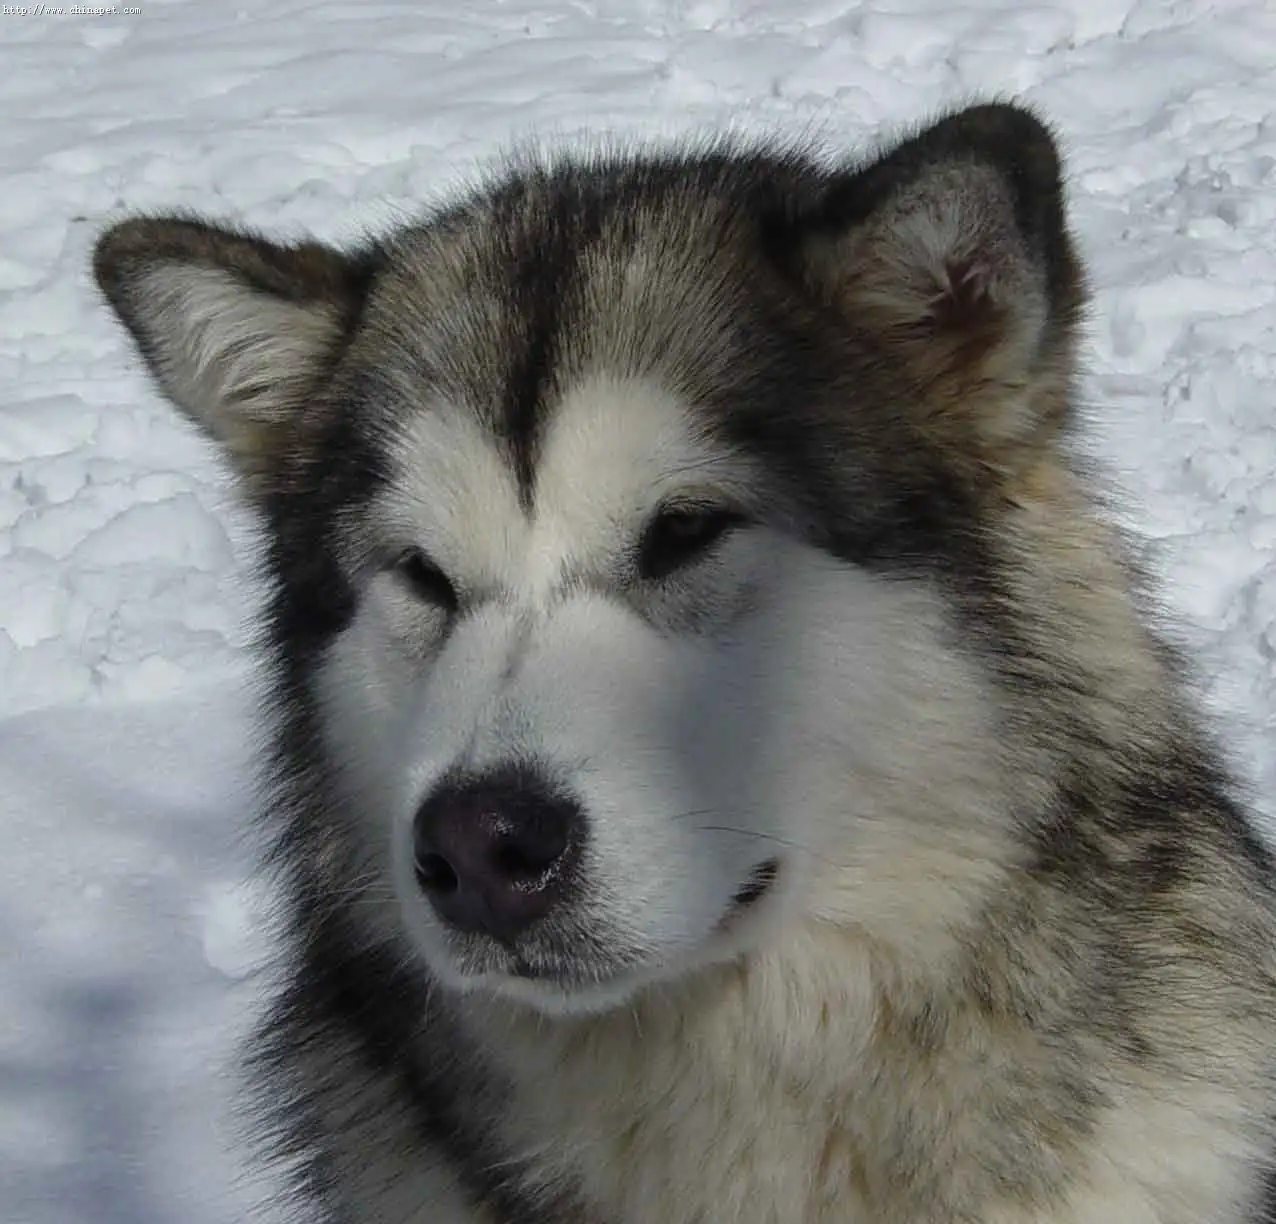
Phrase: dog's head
x=626 y=524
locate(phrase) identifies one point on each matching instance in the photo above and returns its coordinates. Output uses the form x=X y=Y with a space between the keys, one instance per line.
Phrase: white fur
x=226 y=351
x=764 y=1067
x=827 y=725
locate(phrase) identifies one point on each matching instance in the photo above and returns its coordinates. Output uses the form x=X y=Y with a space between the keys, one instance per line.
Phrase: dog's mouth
x=556 y=976
x=759 y=883
x=567 y=968
x=565 y=963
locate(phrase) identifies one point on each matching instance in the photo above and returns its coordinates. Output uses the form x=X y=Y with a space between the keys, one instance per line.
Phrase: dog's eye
x=425 y=580
x=679 y=535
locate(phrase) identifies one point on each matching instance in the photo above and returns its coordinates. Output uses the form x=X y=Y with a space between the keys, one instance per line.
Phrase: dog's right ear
x=237 y=330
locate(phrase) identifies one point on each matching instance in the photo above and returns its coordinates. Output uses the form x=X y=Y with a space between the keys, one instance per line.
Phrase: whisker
x=787 y=843
x=692 y=814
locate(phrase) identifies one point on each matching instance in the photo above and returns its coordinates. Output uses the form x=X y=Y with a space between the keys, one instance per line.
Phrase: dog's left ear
x=952 y=251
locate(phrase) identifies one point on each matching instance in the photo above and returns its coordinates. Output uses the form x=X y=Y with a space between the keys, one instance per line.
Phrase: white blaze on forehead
x=610 y=451
x=454 y=495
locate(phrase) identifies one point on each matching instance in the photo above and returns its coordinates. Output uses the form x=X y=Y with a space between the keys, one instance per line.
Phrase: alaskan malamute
x=720 y=768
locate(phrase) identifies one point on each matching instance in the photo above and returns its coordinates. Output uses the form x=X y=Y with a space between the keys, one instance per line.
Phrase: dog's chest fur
x=718 y=1111
x=769 y=1095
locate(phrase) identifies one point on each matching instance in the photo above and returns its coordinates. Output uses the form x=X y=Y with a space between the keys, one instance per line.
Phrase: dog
x=723 y=765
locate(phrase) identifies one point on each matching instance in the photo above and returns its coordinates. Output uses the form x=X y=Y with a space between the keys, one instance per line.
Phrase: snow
x=132 y=943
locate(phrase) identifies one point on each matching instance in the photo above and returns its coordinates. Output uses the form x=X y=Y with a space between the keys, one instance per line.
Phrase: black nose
x=494 y=852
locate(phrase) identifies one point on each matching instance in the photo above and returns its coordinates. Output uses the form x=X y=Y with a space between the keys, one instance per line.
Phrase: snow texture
x=131 y=941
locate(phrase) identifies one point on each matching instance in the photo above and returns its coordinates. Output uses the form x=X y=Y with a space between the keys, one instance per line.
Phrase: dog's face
x=620 y=521
x=647 y=690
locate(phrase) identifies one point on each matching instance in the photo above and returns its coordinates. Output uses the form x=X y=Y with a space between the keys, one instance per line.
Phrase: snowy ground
x=127 y=942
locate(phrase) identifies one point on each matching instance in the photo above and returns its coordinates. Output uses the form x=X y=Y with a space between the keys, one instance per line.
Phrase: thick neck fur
x=965 y=1039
